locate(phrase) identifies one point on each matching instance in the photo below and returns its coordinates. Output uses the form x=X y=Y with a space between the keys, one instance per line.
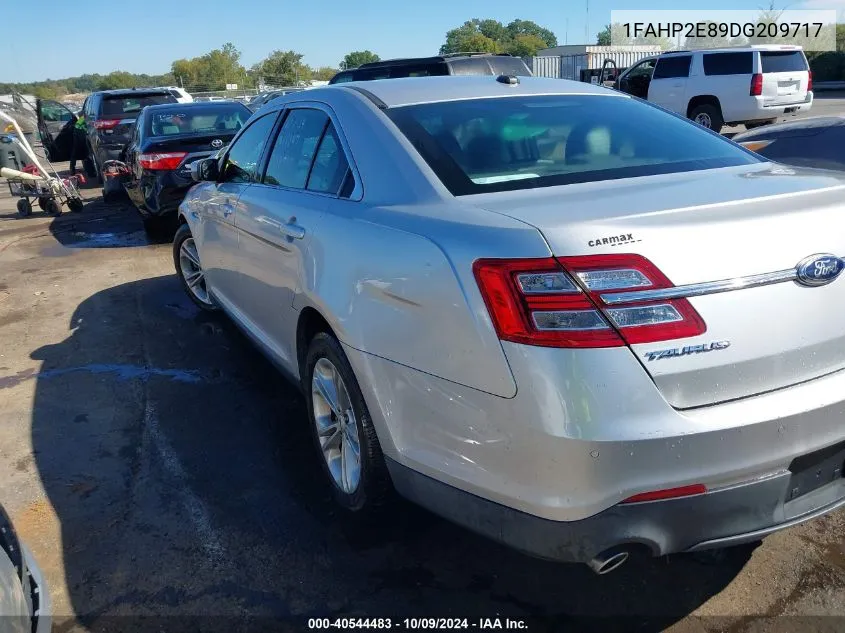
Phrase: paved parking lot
x=824 y=104
x=157 y=465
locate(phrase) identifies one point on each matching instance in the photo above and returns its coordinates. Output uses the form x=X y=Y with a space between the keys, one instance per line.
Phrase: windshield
x=481 y=145
x=132 y=104
x=224 y=117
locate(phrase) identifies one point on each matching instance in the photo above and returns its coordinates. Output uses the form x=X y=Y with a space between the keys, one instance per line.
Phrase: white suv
x=751 y=85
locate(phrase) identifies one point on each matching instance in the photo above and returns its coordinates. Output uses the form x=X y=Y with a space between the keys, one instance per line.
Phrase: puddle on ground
x=81 y=239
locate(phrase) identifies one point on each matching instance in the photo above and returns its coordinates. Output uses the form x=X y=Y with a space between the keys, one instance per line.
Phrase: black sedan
x=813 y=142
x=166 y=139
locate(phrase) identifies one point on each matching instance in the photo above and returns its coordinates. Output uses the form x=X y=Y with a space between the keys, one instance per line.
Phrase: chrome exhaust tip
x=608 y=561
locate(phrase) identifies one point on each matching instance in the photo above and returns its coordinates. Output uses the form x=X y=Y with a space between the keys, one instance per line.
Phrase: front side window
x=523 y=142
x=241 y=163
x=645 y=69
x=672 y=67
x=293 y=152
x=54 y=112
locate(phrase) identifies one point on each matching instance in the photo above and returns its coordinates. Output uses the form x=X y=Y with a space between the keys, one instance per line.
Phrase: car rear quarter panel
x=397 y=283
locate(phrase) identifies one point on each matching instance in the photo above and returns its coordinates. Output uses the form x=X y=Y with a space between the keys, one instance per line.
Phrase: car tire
x=709 y=116
x=187 y=263
x=75 y=204
x=24 y=207
x=359 y=481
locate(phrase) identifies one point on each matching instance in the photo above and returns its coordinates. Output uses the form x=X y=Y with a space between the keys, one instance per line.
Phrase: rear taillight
x=809 y=80
x=756 y=85
x=558 y=302
x=105 y=124
x=170 y=160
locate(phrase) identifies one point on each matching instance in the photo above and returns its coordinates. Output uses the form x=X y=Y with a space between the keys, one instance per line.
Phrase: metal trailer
x=588 y=58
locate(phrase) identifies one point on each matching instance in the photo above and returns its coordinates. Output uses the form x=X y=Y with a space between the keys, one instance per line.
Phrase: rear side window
x=507 y=143
x=783 y=61
x=131 y=105
x=294 y=149
x=728 y=63
x=342 y=77
x=672 y=66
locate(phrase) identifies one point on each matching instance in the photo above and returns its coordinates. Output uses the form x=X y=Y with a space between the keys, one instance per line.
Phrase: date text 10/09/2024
x=772 y=30
x=413 y=624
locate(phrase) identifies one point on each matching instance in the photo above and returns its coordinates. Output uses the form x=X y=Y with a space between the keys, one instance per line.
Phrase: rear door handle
x=292 y=230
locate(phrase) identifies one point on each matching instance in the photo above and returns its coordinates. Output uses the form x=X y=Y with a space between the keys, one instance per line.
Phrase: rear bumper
x=164 y=192
x=721 y=518
x=763 y=111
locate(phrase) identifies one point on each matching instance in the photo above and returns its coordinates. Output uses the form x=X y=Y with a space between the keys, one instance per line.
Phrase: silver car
x=557 y=315
x=25 y=605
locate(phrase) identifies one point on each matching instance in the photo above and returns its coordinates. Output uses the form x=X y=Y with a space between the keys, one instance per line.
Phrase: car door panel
x=275 y=227
x=55 y=124
x=669 y=83
x=219 y=204
x=277 y=219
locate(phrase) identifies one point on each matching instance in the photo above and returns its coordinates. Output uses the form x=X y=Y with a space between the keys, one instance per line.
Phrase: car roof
x=192 y=105
x=133 y=91
x=413 y=90
x=402 y=61
x=738 y=49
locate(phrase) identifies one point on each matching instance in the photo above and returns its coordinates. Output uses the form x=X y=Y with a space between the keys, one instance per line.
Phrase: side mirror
x=205 y=169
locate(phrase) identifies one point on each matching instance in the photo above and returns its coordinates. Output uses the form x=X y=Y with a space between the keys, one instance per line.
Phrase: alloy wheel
x=337 y=427
x=191 y=269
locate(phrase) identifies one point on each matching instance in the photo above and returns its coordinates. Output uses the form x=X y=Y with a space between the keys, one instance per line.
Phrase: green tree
x=324 y=73
x=211 y=71
x=525 y=45
x=613 y=34
x=491 y=36
x=118 y=79
x=527 y=27
x=283 y=68
x=356 y=58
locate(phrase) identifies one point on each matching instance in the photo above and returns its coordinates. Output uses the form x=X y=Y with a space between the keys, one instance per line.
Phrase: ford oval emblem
x=818 y=270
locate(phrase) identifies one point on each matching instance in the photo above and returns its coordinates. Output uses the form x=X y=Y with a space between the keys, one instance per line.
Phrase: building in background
x=574 y=61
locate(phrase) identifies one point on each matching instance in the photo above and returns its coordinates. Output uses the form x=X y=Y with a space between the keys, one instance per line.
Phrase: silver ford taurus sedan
x=552 y=313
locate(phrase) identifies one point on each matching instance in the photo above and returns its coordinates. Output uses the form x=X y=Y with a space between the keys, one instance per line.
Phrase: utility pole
x=587 y=25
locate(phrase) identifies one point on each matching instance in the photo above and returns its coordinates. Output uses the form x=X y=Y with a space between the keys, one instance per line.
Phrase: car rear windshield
x=783 y=61
x=131 y=105
x=507 y=143
x=509 y=66
x=223 y=117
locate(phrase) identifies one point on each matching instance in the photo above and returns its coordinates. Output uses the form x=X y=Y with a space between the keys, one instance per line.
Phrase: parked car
x=814 y=142
x=164 y=141
x=206 y=99
x=751 y=85
x=454 y=64
x=109 y=117
x=25 y=605
x=527 y=311
x=265 y=97
x=181 y=95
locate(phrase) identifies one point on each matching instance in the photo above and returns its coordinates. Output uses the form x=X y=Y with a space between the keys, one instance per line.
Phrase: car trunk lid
x=195 y=146
x=710 y=226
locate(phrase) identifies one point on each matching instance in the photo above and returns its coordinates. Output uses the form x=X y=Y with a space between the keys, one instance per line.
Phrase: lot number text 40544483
x=413 y=624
